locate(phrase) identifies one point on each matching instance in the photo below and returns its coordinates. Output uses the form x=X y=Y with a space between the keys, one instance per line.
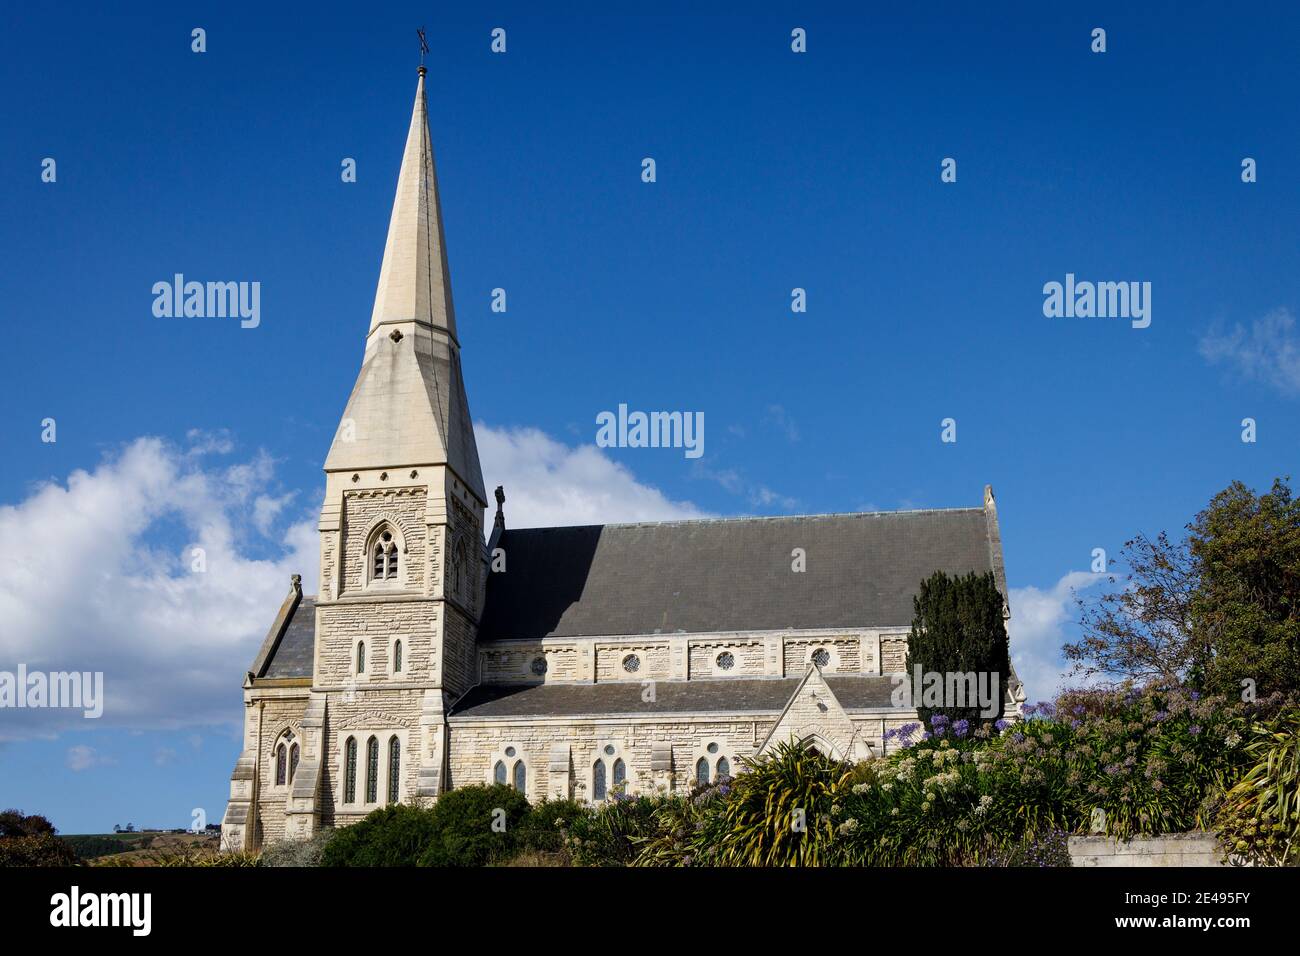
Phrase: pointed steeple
x=408 y=407
x=414 y=282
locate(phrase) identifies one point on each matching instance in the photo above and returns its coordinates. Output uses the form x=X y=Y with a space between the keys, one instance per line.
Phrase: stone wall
x=694 y=656
x=476 y=745
x=1172 y=849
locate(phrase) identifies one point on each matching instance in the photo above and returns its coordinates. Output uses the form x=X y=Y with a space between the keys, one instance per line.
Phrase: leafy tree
x=15 y=823
x=1217 y=608
x=958 y=628
x=1141 y=629
x=1247 y=610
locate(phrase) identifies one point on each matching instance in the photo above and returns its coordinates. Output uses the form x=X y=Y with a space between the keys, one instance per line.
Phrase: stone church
x=566 y=662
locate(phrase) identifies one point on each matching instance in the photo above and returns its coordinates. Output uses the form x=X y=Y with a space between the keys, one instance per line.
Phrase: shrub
x=43 y=850
x=391 y=836
x=613 y=833
x=1146 y=763
x=1259 y=820
x=781 y=810
x=297 y=852
x=1050 y=849
x=475 y=826
x=546 y=827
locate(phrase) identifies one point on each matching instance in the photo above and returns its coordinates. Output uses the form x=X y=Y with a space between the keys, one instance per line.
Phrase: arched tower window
x=350 y=771
x=361 y=657
x=384 y=556
x=397 y=656
x=372 y=770
x=724 y=767
x=394 y=768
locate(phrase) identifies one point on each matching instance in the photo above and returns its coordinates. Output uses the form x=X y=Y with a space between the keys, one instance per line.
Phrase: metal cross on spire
x=424 y=47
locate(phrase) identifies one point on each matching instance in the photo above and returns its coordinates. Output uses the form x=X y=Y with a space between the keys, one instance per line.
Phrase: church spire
x=408 y=407
x=414 y=282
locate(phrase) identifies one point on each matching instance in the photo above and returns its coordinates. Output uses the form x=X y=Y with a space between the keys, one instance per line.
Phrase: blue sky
x=775 y=171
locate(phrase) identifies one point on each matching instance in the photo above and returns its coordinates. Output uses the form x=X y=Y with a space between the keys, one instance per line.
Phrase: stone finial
x=296 y=581
x=500 y=494
x=988 y=495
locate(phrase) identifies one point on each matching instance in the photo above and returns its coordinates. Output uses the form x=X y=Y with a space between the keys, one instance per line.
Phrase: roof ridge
x=739 y=518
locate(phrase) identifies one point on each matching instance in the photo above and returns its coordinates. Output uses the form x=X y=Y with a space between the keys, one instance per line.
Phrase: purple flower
x=1161 y=715
x=1018 y=738
x=938 y=720
x=1001 y=724
x=960 y=728
x=1194 y=729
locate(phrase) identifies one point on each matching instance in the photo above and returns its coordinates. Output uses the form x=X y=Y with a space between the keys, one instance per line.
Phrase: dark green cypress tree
x=958 y=628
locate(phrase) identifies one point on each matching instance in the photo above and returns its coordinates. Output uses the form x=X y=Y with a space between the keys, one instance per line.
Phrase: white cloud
x=548 y=483
x=1038 y=631
x=95 y=576
x=757 y=495
x=1267 y=351
x=82 y=758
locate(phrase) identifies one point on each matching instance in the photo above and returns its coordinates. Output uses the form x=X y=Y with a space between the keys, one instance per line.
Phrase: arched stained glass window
x=350 y=771
x=598 y=780
x=701 y=771
x=724 y=767
x=293 y=761
x=499 y=772
x=394 y=768
x=397 y=656
x=521 y=776
x=279 y=765
x=361 y=657
x=372 y=770
x=620 y=773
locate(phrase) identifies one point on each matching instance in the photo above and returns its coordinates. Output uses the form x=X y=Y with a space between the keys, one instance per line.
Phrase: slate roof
x=736 y=695
x=293 y=655
x=727 y=574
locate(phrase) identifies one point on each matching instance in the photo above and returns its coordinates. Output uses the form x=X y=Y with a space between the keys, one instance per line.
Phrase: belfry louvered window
x=384 y=558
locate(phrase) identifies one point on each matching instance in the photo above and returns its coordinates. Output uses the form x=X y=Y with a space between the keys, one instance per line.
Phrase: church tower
x=401 y=572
